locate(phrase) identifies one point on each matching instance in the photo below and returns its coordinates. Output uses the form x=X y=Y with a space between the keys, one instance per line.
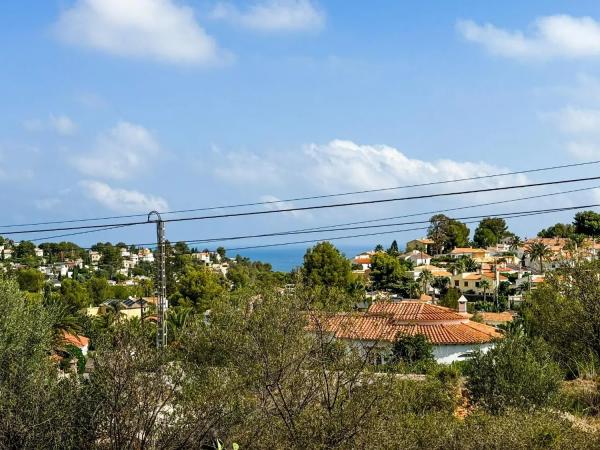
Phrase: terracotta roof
x=496 y=317
x=77 y=341
x=368 y=327
x=467 y=250
x=414 y=311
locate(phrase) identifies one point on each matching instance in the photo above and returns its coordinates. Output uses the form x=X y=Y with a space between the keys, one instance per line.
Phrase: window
x=477 y=284
x=466 y=284
x=456 y=283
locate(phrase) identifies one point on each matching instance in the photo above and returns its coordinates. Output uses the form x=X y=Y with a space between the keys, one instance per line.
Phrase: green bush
x=517 y=372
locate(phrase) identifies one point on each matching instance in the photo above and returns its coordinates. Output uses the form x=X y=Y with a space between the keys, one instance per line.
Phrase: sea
x=285 y=259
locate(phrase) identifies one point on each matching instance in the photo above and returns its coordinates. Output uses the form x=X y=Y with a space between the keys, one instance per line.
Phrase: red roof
x=77 y=341
x=384 y=321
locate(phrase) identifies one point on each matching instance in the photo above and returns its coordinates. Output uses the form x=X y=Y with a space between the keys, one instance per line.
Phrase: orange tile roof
x=412 y=311
x=384 y=321
x=384 y=328
x=468 y=250
x=496 y=317
x=77 y=341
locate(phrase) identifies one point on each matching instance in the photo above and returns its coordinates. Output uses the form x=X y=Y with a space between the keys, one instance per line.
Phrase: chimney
x=462 y=305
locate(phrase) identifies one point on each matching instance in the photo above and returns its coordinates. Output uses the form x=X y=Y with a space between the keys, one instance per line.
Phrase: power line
x=313 y=197
x=325 y=227
x=439 y=211
x=314 y=207
x=294 y=232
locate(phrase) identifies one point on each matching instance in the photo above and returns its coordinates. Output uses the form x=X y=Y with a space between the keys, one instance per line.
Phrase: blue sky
x=112 y=107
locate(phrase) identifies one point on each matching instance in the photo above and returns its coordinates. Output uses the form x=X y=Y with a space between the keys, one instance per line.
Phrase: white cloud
x=557 y=36
x=160 y=30
x=275 y=204
x=60 y=124
x=584 y=150
x=577 y=120
x=122 y=200
x=123 y=152
x=47 y=203
x=273 y=15
x=344 y=165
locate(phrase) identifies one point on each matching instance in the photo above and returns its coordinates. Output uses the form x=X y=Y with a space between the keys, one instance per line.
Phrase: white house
x=39 y=252
x=95 y=256
x=417 y=257
x=451 y=333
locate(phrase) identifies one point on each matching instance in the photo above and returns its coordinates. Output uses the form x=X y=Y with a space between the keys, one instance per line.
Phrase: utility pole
x=161 y=279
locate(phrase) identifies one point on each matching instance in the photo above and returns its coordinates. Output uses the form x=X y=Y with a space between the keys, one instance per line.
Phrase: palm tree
x=515 y=242
x=485 y=285
x=538 y=251
x=425 y=278
x=177 y=319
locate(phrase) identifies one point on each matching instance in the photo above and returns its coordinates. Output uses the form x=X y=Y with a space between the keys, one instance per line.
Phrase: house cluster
x=213 y=261
x=491 y=266
x=129 y=259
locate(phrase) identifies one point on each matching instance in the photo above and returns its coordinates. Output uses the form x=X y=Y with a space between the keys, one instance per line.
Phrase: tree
x=37 y=408
x=560 y=230
x=221 y=252
x=379 y=248
x=412 y=349
x=514 y=242
x=325 y=265
x=485 y=285
x=30 y=280
x=393 y=250
x=450 y=298
x=25 y=249
x=565 y=312
x=386 y=271
x=516 y=372
x=75 y=295
x=99 y=289
x=588 y=223
x=447 y=233
x=425 y=278
x=538 y=251
x=490 y=231
x=198 y=287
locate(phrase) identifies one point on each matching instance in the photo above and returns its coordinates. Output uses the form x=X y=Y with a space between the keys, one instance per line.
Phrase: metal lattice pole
x=161 y=279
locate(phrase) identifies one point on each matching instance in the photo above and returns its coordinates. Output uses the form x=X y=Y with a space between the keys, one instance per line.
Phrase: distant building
x=478 y=254
x=417 y=257
x=363 y=259
x=95 y=256
x=423 y=244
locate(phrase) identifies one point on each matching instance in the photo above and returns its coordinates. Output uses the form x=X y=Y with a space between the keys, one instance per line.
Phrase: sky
x=111 y=107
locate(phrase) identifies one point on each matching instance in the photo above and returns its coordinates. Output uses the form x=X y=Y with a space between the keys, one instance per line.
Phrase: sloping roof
x=411 y=311
x=77 y=341
x=459 y=250
x=384 y=321
x=496 y=317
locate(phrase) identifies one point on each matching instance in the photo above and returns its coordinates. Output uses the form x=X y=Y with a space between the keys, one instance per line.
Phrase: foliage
x=386 y=271
x=560 y=230
x=411 y=349
x=450 y=298
x=538 y=251
x=30 y=280
x=517 y=372
x=198 y=287
x=588 y=223
x=447 y=233
x=490 y=231
x=565 y=312
x=325 y=265
x=37 y=409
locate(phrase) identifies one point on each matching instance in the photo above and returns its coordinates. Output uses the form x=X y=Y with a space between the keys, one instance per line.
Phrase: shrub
x=412 y=349
x=517 y=372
